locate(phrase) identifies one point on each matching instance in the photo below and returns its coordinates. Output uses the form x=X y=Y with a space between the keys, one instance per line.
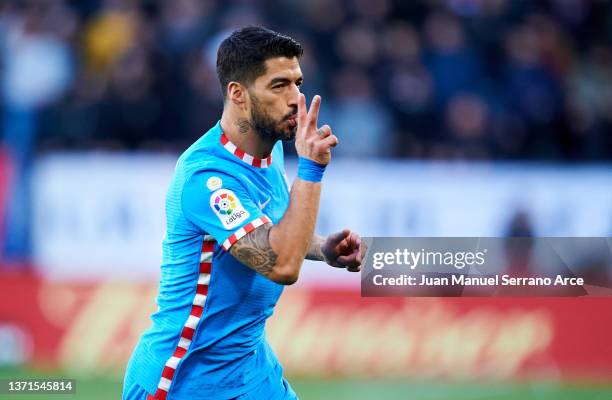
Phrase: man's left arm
x=341 y=250
x=314 y=250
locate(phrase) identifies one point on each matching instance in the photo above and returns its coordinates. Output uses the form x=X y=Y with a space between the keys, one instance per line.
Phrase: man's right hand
x=310 y=142
x=278 y=251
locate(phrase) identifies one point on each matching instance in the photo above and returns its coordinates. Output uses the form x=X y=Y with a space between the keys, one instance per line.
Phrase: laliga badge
x=228 y=208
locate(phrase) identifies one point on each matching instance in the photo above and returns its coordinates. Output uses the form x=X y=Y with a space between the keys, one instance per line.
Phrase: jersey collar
x=247 y=158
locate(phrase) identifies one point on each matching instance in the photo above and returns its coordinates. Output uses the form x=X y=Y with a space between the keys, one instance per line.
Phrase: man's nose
x=294 y=96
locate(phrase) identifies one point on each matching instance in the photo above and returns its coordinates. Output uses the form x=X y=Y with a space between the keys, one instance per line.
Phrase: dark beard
x=266 y=127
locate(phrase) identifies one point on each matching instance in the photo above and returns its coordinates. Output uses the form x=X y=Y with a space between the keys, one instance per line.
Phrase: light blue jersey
x=207 y=340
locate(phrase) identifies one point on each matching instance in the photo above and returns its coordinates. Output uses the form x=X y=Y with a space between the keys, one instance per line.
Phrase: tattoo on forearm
x=254 y=250
x=244 y=126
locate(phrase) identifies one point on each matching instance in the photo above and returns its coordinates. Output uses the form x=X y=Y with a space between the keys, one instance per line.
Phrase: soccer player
x=236 y=234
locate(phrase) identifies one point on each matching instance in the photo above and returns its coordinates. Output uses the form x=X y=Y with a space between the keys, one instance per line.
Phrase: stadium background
x=456 y=117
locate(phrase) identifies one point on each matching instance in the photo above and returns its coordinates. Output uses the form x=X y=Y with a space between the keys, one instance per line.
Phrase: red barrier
x=340 y=332
x=336 y=332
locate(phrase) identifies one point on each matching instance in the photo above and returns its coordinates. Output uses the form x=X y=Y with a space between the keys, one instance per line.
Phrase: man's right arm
x=278 y=251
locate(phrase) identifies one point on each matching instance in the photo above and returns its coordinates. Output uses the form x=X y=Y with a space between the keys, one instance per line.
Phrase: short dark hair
x=242 y=55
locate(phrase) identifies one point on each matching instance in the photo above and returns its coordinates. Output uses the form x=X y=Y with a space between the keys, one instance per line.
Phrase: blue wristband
x=309 y=170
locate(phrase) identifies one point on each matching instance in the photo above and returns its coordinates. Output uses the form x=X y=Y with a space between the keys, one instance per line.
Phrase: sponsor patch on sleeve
x=226 y=205
x=214 y=183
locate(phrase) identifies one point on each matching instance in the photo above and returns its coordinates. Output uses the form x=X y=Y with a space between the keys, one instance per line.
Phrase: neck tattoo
x=243 y=126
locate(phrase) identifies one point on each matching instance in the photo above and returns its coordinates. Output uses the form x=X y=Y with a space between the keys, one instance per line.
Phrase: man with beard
x=236 y=235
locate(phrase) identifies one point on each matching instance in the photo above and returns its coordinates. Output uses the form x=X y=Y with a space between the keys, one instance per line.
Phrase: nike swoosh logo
x=264 y=204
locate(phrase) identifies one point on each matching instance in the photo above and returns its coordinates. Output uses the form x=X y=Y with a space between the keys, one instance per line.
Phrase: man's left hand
x=344 y=250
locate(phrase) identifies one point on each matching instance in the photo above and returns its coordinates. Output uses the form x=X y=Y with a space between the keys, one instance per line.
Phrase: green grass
x=394 y=390
x=107 y=388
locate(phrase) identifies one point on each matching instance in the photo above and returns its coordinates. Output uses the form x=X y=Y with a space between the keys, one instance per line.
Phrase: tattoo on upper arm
x=254 y=250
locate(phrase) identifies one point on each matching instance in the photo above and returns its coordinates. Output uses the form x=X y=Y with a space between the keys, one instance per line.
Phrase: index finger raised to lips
x=313 y=113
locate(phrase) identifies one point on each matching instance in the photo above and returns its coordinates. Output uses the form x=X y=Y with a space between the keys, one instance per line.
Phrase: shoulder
x=203 y=150
x=211 y=179
x=208 y=156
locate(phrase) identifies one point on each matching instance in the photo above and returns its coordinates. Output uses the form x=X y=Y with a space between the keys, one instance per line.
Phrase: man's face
x=273 y=99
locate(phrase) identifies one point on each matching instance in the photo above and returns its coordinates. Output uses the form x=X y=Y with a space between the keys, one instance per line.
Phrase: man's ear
x=237 y=94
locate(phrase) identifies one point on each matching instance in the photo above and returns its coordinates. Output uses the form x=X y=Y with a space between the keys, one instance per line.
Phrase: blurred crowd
x=428 y=79
x=437 y=79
